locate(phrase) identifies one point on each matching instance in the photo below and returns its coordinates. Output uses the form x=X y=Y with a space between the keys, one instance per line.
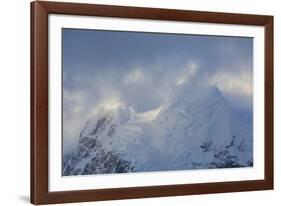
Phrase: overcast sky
x=110 y=68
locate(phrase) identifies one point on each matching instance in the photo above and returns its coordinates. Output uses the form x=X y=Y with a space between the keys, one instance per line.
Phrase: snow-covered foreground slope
x=195 y=128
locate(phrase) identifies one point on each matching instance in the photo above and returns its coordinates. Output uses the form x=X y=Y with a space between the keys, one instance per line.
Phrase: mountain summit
x=195 y=128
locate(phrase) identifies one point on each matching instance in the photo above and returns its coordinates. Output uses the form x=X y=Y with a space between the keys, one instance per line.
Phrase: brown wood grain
x=39 y=102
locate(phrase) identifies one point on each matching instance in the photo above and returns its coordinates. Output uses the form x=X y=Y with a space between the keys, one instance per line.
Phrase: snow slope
x=194 y=129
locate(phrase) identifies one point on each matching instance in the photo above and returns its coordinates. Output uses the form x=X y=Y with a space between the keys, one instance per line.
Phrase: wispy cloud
x=134 y=76
x=188 y=73
x=238 y=84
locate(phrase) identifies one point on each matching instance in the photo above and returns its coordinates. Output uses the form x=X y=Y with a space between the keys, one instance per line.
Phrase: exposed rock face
x=195 y=129
x=92 y=157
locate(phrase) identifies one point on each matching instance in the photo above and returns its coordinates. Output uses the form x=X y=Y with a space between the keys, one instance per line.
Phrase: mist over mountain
x=195 y=128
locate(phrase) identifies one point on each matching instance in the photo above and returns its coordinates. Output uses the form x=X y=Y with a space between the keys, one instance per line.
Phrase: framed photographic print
x=131 y=102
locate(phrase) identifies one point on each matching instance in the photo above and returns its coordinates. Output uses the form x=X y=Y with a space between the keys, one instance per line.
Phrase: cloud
x=237 y=87
x=235 y=84
x=111 y=102
x=134 y=76
x=189 y=71
x=74 y=116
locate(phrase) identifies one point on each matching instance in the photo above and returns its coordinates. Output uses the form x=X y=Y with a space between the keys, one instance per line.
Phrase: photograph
x=155 y=102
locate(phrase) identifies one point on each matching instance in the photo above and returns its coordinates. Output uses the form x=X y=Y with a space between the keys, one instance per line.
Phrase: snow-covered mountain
x=195 y=128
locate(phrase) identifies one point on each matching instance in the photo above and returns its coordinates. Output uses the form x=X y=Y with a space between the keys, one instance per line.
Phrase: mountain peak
x=195 y=89
x=187 y=93
x=120 y=113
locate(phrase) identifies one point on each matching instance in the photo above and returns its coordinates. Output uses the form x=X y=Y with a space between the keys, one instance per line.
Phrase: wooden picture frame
x=40 y=193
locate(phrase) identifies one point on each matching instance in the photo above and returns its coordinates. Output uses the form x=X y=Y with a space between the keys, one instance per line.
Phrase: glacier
x=195 y=128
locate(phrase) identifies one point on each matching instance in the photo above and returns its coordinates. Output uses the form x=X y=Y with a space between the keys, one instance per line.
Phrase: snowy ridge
x=195 y=128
